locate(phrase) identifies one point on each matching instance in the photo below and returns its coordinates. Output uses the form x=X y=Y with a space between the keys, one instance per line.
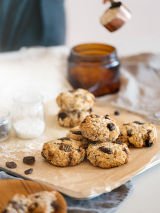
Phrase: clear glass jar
x=5 y=124
x=28 y=116
x=94 y=67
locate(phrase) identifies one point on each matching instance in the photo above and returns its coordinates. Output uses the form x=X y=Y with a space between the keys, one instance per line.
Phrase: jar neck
x=94 y=53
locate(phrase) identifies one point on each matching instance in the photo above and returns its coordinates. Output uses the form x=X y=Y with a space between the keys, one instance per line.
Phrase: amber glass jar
x=94 y=67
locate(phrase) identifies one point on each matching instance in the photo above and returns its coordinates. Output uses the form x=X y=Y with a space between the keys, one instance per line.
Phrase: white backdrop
x=142 y=33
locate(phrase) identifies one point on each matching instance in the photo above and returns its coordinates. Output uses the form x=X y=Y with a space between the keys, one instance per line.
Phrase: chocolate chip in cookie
x=111 y=126
x=148 y=143
x=105 y=150
x=129 y=132
x=138 y=122
x=77 y=132
x=116 y=113
x=65 y=147
x=62 y=115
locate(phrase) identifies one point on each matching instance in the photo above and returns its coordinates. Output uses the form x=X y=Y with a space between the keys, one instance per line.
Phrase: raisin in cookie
x=107 y=155
x=44 y=202
x=138 y=134
x=71 y=119
x=64 y=152
x=79 y=99
x=99 y=128
x=76 y=134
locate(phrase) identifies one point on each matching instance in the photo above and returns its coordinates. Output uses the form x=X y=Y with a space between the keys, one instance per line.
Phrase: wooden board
x=8 y=188
x=84 y=180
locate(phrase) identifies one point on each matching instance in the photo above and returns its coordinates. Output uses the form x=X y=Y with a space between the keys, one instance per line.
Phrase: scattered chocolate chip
x=65 y=147
x=111 y=126
x=77 y=132
x=62 y=115
x=64 y=138
x=138 y=122
x=148 y=143
x=106 y=116
x=129 y=132
x=28 y=171
x=11 y=165
x=105 y=150
x=116 y=113
x=29 y=160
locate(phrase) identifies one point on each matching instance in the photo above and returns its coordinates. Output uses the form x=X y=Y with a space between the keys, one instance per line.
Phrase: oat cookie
x=64 y=152
x=71 y=119
x=138 y=134
x=99 y=128
x=44 y=202
x=79 y=99
x=75 y=134
x=107 y=155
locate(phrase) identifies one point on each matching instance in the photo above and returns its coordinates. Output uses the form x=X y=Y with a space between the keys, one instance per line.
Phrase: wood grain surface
x=8 y=188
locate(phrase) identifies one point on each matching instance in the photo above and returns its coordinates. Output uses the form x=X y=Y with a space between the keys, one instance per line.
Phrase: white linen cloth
x=44 y=70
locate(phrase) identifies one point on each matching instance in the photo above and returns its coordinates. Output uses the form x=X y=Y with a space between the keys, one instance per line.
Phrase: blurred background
x=141 y=33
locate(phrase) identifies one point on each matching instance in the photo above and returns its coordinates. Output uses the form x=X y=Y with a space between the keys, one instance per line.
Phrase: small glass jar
x=28 y=116
x=94 y=67
x=5 y=124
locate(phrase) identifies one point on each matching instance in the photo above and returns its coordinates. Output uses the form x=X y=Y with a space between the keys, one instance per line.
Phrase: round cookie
x=71 y=119
x=39 y=202
x=64 y=152
x=138 y=134
x=75 y=134
x=107 y=155
x=99 y=128
x=79 y=99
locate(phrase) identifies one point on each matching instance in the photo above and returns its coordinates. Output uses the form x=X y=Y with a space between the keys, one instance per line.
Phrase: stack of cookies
x=101 y=140
x=75 y=106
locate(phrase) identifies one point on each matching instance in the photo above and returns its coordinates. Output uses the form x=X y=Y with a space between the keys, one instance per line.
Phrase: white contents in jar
x=29 y=128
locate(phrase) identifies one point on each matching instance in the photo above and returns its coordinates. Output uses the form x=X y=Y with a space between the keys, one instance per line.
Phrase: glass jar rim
x=93 y=52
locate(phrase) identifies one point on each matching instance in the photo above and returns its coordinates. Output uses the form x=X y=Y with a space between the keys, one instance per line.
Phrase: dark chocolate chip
x=77 y=132
x=28 y=171
x=129 y=132
x=62 y=115
x=11 y=165
x=5 y=211
x=138 y=122
x=115 y=4
x=111 y=126
x=148 y=143
x=29 y=160
x=65 y=147
x=64 y=138
x=105 y=150
x=106 y=116
x=116 y=113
